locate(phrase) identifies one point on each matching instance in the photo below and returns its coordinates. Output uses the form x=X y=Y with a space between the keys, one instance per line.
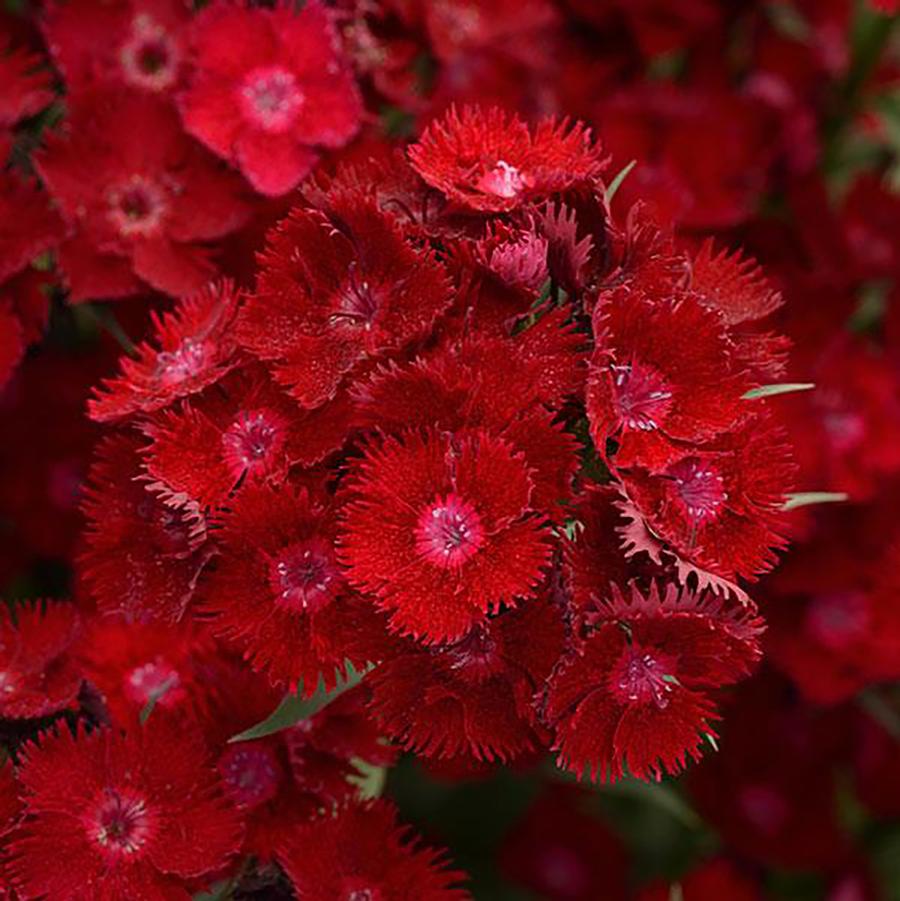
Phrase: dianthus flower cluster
x=447 y=440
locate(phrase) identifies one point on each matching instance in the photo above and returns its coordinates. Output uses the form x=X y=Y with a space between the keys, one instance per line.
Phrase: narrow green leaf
x=296 y=707
x=616 y=183
x=712 y=740
x=772 y=390
x=657 y=794
x=807 y=498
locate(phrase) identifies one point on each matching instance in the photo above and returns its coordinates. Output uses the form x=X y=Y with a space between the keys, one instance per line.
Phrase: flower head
x=114 y=816
x=438 y=528
x=270 y=87
x=38 y=674
x=361 y=853
x=491 y=162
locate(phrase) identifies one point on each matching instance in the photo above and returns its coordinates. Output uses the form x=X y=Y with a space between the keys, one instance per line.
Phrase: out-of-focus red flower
x=25 y=85
x=337 y=289
x=562 y=853
x=112 y=816
x=145 y=548
x=439 y=528
x=635 y=696
x=38 y=674
x=142 y=200
x=472 y=697
x=134 y=665
x=28 y=225
x=138 y=44
x=713 y=880
x=269 y=88
x=363 y=851
x=193 y=348
x=490 y=161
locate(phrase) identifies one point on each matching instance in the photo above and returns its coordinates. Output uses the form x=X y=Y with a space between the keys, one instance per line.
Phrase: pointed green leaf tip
x=616 y=183
x=772 y=390
x=807 y=498
x=148 y=708
x=296 y=707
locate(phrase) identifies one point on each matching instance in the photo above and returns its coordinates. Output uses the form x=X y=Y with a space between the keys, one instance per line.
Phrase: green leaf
x=296 y=707
x=616 y=183
x=807 y=498
x=884 y=713
x=657 y=794
x=773 y=390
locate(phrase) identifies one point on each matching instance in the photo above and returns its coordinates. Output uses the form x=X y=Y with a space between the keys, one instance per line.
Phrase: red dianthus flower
x=141 y=199
x=362 y=853
x=269 y=87
x=336 y=289
x=634 y=698
x=38 y=675
x=438 y=527
x=489 y=161
x=112 y=817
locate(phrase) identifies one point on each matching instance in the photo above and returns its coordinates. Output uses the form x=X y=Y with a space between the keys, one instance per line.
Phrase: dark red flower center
x=643 y=396
x=563 y=871
x=503 y=180
x=357 y=302
x=449 y=532
x=835 y=620
x=149 y=57
x=476 y=655
x=271 y=98
x=154 y=679
x=137 y=206
x=304 y=576
x=253 y=441
x=251 y=773
x=763 y=807
x=121 y=823
x=642 y=677
x=700 y=487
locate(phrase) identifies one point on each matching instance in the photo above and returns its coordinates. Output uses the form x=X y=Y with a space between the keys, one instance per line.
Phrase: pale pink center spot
x=186 y=361
x=120 y=824
x=305 y=577
x=642 y=677
x=149 y=58
x=271 y=98
x=251 y=774
x=137 y=206
x=449 y=532
x=521 y=262
x=699 y=486
x=503 y=180
x=155 y=679
x=836 y=620
x=643 y=397
x=252 y=443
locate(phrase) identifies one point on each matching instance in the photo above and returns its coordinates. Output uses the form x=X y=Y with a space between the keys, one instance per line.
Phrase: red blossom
x=269 y=88
x=38 y=674
x=438 y=528
x=661 y=378
x=362 y=852
x=635 y=696
x=193 y=347
x=336 y=289
x=718 y=507
x=489 y=161
x=472 y=697
x=242 y=429
x=112 y=816
x=139 y=44
x=141 y=199
x=28 y=225
x=144 y=547
x=278 y=593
